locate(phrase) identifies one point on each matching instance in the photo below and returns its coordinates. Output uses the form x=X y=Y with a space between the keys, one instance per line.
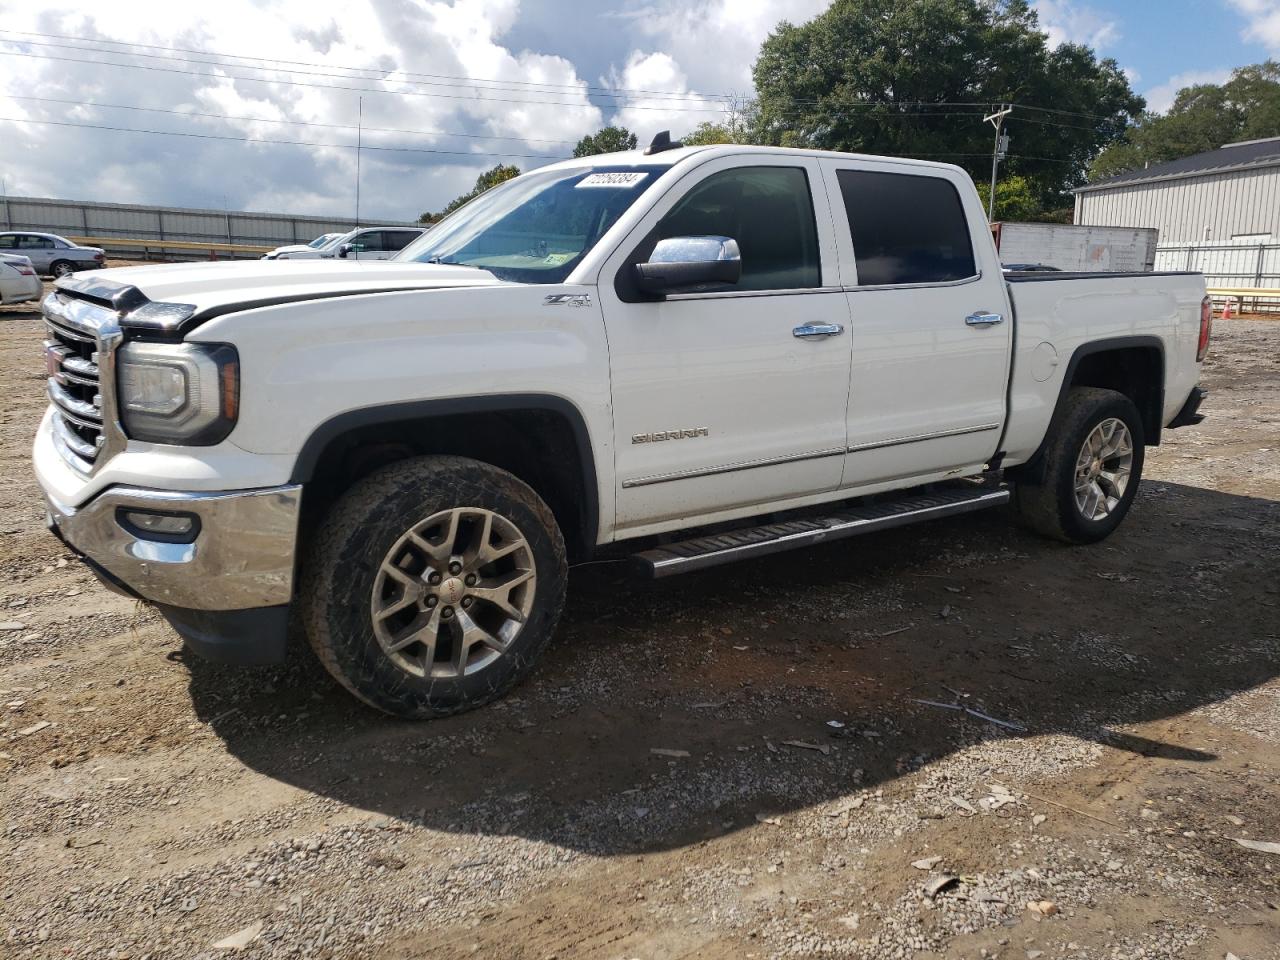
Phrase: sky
x=440 y=90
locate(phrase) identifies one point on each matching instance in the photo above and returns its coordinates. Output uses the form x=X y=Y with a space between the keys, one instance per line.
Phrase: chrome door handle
x=818 y=330
x=981 y=319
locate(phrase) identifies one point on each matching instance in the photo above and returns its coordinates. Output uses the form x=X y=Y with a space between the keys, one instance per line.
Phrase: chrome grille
x=81 y=336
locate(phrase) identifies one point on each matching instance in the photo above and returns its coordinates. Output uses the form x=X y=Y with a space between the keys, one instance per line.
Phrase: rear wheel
x=61 y=268
x=434 y=585
x=1093 y=463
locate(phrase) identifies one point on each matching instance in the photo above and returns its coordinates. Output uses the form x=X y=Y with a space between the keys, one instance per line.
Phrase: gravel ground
x=152 y=805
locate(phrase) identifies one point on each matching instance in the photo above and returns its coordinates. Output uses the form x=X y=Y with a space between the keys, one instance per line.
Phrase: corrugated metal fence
x=134 y=221
x=1227 y=263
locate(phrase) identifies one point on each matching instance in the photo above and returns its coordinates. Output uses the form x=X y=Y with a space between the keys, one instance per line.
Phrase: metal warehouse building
x=1227 y=195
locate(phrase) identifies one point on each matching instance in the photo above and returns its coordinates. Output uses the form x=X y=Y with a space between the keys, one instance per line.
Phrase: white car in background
x=290 y=250
x=18 y=280
x=367 y=243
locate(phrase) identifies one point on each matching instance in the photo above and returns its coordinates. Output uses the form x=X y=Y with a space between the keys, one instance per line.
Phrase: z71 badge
x=570 y=299
x=671 y=435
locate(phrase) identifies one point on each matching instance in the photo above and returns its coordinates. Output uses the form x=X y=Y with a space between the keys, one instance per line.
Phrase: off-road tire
x=1049 y=507
x=342 y=564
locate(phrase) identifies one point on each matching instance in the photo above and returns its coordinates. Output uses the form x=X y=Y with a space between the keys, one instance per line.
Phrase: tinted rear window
x=906 y=228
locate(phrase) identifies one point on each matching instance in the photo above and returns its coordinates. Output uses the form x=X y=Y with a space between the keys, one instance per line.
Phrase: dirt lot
x=153 y=805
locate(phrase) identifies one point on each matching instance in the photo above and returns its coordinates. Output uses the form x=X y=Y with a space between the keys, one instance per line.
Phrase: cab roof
x=673 y=156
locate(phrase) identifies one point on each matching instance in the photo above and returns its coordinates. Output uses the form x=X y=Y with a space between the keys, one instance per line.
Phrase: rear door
x=929 y=321
x=396 y=240
x=38 y=249
x=731 y=398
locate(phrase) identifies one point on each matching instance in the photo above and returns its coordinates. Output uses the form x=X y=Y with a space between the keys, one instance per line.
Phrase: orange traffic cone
x=1226 y=309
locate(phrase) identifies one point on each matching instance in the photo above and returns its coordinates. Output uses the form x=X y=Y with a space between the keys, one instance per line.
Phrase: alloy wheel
x=453 y=593
x=1102 y=469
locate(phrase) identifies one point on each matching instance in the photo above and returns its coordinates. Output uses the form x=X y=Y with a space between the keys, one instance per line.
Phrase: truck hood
x=223 y=286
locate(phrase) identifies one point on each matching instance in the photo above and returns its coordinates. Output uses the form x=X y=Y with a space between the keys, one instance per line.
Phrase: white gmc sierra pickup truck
x=683 y=355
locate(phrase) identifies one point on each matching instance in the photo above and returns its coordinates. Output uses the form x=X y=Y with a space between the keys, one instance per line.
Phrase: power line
x=302 y=123
x=294 y=143
x=667 y=106
x=566 y=87
x=333 y=86
x=504 y=85
x=598 y=91
x=387 y=149
x=955 y=114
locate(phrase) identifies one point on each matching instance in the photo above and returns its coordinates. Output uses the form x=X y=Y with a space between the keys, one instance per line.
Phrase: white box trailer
x=1077 y=249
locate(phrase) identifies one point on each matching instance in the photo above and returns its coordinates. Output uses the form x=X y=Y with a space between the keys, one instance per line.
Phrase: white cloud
x=389 y=39
x=646 y=115
x=716 y=42
x=1066 y=21
x=703 y=48
x=1160 y=99
x=1263 y=21
x=532 y=102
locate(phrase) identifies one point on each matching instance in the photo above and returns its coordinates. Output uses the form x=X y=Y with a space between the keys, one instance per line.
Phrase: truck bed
x=1058 y=316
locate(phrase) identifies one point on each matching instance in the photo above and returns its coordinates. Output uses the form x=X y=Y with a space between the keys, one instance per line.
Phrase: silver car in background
x=50 y=254
x=18 y=280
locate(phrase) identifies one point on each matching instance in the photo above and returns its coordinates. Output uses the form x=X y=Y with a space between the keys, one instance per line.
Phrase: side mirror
x=345 y=250
x=683 y=264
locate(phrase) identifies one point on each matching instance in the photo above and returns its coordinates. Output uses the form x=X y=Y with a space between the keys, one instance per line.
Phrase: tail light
x=25 y=271
x=1206 y=325
x=99 y=257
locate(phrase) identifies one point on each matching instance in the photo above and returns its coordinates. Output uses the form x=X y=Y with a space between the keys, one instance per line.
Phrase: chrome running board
x=750 y=542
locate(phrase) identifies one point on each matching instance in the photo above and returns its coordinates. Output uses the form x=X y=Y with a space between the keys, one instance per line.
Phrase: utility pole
x=1001 y=148
x=359 y=144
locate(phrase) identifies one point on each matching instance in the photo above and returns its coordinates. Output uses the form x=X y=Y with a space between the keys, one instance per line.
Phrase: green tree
x=914 y=79
x=608 y=140
x=1202 y=117
x=739 y=126
x=708 y=133
x=1015 y=199
x=486 y=181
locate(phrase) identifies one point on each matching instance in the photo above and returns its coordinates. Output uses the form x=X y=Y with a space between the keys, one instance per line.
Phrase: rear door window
x=906 y=228
x=399 y=239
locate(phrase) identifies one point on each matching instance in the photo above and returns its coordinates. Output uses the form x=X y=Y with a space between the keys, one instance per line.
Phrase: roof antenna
x=662 y=142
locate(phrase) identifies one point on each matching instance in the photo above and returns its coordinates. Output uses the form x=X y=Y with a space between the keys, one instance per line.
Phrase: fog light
x=180 y=527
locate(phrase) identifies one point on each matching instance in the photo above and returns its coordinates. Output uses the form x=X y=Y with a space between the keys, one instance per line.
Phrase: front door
x=927 y=313
x=721 y=402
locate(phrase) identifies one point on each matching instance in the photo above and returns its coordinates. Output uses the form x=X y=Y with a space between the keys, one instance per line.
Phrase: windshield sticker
x=555 y=259
x=622 y=179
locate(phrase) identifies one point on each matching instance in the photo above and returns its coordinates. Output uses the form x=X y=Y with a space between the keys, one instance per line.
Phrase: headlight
x=185 y=393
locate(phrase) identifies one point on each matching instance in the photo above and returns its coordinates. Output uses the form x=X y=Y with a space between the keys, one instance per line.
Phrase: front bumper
x=227 y=591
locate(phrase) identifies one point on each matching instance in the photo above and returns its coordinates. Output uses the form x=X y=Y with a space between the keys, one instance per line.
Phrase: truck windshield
x=535 y=228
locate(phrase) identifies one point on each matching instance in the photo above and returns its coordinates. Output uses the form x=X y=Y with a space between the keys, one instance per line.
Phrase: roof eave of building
x=1183 y=175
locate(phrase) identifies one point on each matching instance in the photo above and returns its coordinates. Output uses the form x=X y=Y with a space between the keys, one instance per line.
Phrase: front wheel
x=1093 y=463
x=434 y=585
